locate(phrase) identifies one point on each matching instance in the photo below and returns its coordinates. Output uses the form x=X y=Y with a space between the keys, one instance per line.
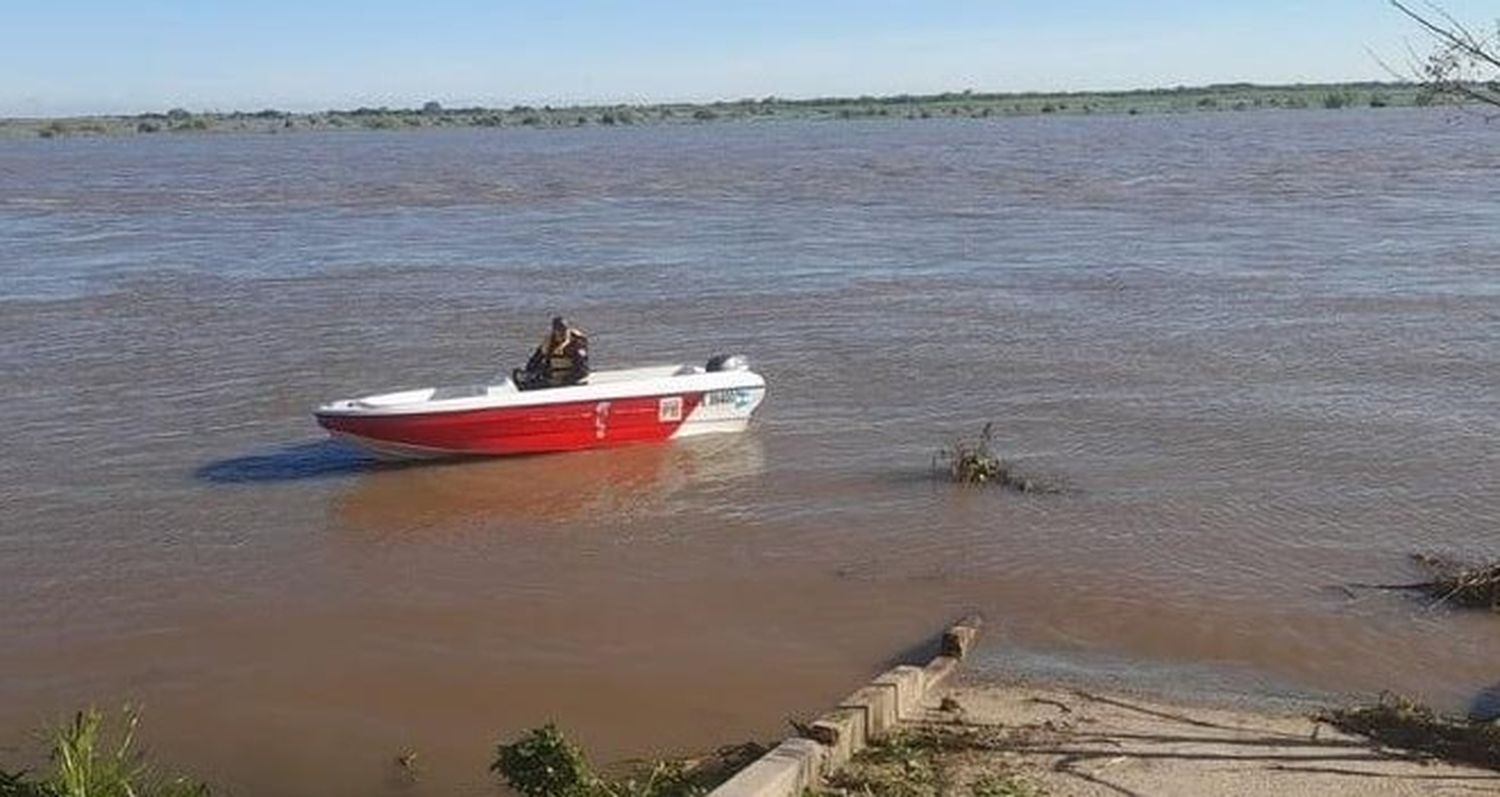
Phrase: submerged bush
x=971 y=461
x=974 y=462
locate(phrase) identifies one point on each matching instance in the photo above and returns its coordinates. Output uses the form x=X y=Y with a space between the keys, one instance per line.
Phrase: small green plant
x=927 y=761
x=659 y=779
x=1004 y=784
x=543 y=763
x=88 y=760
x=896 y=767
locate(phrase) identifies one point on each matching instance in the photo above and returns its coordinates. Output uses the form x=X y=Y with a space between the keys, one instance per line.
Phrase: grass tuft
x=927 y=761
x=1004 y=784
x=90 y=759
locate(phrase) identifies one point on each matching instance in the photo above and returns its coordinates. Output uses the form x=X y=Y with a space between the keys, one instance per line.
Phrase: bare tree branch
x=1456 y=70
x=1456 y=36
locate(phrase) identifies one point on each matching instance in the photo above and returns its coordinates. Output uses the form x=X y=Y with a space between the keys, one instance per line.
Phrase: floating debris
x=1405 y=724
x=1466 y=587
x=406 y=765
x=1452 y=583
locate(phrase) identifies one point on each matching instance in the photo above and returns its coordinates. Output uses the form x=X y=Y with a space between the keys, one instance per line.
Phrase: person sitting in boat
x=561 y=360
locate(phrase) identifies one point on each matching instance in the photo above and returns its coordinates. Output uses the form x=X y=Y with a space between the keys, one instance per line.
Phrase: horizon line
x=767 y=99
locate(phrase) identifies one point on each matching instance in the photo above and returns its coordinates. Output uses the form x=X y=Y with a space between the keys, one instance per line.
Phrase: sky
x=65 y=57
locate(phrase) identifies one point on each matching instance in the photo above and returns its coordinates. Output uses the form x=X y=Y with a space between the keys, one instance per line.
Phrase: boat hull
x=546 y=426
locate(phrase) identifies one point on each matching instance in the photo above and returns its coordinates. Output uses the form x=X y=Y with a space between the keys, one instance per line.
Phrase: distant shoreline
x=968 y=104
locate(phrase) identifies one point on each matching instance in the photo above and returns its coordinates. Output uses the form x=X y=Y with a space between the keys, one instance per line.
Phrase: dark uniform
x=561 y=360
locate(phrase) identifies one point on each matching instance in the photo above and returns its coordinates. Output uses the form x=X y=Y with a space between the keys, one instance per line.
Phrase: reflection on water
x=1485 y=707
x=608 y=485
x=321 y=459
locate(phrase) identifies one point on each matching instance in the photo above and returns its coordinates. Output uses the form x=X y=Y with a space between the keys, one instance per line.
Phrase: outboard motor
x=727 y=362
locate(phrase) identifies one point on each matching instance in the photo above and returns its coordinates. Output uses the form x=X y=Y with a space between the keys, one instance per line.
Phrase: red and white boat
x=635 y=405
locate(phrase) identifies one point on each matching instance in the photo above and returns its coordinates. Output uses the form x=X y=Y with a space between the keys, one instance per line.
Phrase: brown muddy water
x=1265 y=349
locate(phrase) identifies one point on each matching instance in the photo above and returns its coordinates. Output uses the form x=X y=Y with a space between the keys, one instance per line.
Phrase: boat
x=634 y=405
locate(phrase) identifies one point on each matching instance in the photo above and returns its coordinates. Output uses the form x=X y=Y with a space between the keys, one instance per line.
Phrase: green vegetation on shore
x=930 y=761
x=965 y=105
x=543 y=763
x=90 y=757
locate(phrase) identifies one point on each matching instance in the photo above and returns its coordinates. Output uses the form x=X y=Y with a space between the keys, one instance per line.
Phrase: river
x=1262 y=348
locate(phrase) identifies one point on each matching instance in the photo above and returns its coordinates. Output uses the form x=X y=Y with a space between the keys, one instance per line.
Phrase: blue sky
x=107 y=56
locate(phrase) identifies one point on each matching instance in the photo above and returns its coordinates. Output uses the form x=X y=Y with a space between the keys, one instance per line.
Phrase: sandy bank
x=1075 y=742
